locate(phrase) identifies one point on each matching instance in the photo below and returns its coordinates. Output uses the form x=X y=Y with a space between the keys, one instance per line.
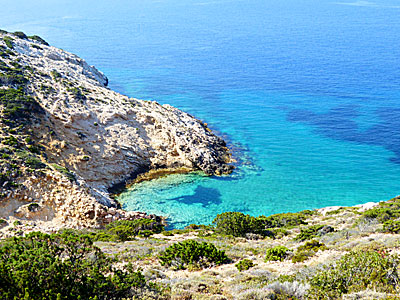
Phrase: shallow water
x=306 y=92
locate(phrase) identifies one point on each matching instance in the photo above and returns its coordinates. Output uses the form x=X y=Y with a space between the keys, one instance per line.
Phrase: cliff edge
x=66 y=138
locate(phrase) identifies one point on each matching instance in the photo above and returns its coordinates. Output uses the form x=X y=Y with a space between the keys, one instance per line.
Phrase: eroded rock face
x=101 y=136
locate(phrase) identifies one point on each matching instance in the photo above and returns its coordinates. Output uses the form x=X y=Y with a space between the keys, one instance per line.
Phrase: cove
x=305 y=92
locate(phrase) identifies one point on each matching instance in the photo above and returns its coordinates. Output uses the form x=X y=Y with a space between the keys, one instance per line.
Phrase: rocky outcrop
x=87 y=137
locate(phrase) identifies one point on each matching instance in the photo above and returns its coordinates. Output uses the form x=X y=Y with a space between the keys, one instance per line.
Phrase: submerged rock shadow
x=339 y=124
x=203 y=195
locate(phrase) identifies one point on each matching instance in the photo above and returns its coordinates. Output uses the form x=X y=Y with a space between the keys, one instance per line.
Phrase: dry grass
x=266 y=280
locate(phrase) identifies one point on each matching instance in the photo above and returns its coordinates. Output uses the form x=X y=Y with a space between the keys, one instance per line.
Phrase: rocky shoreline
x=67 y=140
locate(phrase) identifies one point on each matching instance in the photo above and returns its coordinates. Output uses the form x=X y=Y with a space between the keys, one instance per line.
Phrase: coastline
x=94 y=141
x=80 y=140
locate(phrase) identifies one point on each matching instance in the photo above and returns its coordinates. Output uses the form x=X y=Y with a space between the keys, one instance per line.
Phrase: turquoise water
x=305 y=92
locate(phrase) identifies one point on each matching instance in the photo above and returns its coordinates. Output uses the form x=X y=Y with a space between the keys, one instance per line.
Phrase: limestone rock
x=98 y=137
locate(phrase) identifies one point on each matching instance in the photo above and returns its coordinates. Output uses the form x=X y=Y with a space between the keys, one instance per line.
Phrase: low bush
x=9 y=42
x=308 y=250
x=192 y=254
x=20 y=34
x=30 y=160
x=123 y=230
x=77 y=93
x=385 y=211
x=286 y=220
x=38 y=39
x=312 y=231
x=62 y=266
x=12 y=74
x=10 y=141
x=392 y=226
x=354 y=272
x=240 y=225
x=167 y=233
x=5 y=52
x=18 y=108
x=36 y=47
x=312 y=245
x=244 y=265
x=56 y=75
x=278 y=253
x=301 y=256
x=63 y=170
x=237 y=224
x=278 y=233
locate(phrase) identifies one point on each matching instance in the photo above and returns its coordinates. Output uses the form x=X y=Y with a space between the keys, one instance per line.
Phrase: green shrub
x=20 y=34
x=354 y=272
x=382 y=214
x=77 y=93
x=244 y=265
x=18 y=108
x=192 y=254
x=392 y=226
x=278 y=233
x=10 y=141
x=167 y=233
x=33 y=149
x=385 y=211
x=312 y=245
x=5 y=52
x=12 y=75
x=67 y=173
x=311 y=232
x=307 y=250
x=180 y=231
x=30 y=160
x=286 y=220
x=193 y=226
x=301 y=256
x=145 y=233
x=62 y=266
x=124 y=230
x=38 y=39
x=56 y=75
x=36 y=47
x=103 y=237
x=278 y=253
x=237 y=224
x=9 y=42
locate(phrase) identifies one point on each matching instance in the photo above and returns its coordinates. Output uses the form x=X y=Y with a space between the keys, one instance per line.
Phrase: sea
x=305 y=92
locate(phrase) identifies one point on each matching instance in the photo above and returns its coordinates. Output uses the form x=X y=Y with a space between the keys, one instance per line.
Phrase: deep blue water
x=307 y=92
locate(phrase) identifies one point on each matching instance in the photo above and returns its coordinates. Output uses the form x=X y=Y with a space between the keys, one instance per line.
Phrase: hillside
x=67 y=139
x=331 y=253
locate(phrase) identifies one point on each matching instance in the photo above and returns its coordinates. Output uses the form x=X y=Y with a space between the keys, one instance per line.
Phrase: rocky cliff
x=66 y=138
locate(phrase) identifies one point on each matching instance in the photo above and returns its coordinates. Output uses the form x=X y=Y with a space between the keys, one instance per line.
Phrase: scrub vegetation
x=139 y=259
x=345 y=253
